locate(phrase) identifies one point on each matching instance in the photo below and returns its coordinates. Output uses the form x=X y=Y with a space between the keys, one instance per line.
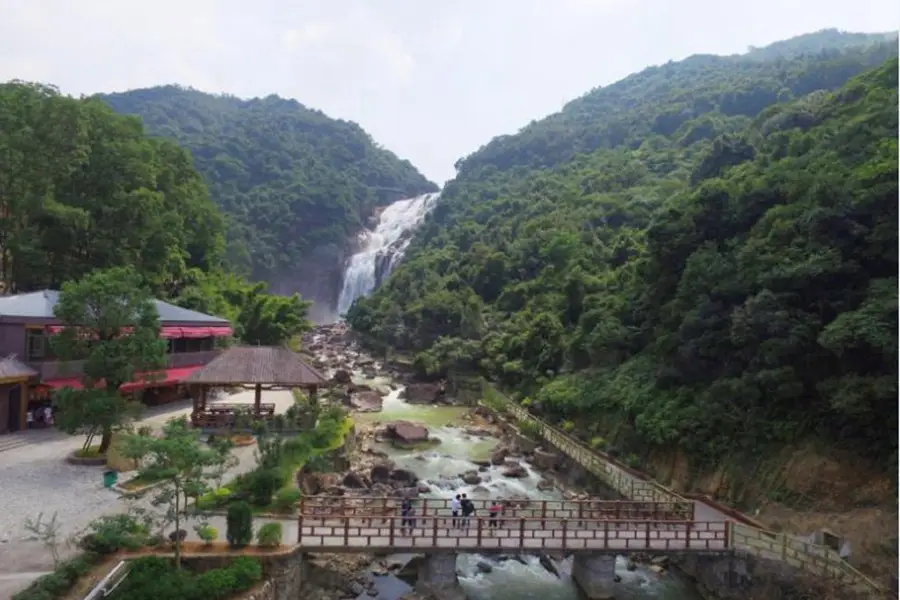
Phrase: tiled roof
x=258 y=364
x=40 y=305
x=10 y=367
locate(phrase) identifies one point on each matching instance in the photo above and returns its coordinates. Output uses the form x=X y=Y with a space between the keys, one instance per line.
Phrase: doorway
x=13 y=421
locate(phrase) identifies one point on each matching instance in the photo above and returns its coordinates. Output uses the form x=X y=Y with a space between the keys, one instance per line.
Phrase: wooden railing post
x=522 y=533
x=300 y=528
x=434 y=530
x=605 y=534
x=346 y=531
x=391 y=534
x=478 y=542
x=565 y=529
x=687 y=535
x=647 y=534
x=543 y=513
x=728 y=533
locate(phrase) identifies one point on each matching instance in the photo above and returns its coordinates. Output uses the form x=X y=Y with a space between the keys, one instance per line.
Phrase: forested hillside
x=288 y=177
x=83 y=188
x=701 y=256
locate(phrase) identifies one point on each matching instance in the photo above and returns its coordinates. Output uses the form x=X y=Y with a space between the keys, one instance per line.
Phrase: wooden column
x=23 y=409
x=203 y=389
x=257 y=399
x=313 y=393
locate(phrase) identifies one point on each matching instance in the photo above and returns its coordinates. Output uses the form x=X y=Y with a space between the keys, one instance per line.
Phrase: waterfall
x=382 y=248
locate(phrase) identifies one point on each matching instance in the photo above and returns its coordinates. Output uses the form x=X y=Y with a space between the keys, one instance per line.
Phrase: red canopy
x=161 y=379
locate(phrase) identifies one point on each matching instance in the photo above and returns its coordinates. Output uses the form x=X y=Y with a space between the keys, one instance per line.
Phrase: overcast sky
x=430 y=79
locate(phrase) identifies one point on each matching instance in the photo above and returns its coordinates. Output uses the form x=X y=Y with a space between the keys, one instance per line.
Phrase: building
x=29 y=372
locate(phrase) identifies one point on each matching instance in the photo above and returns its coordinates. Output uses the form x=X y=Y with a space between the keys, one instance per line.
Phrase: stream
x=440 y=466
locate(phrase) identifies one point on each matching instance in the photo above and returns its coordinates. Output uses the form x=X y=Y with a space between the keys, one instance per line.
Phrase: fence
x=789 y=549
x=430 y=534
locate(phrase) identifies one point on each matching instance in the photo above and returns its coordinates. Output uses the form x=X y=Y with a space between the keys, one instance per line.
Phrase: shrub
x=530 y=429
x=207 y=533
x=568 y=426
x=113 y=533
x=247 y=571
x=598 y=443
x=240 y=525
x=269 y=535
x=216 y=499
x=58 y=582
x=216 y=583
x=92 y=452
x=286 y=499
x=264 y=484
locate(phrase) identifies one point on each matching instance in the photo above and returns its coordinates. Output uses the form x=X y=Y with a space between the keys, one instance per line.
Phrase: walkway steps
x=13 y=441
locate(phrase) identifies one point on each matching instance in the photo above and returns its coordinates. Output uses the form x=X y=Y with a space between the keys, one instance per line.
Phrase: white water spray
x=382 y=248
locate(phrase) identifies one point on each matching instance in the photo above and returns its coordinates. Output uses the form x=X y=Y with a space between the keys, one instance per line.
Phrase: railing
x=109 y=583
x=225 y=416
x=789 y=549
x=573 y=510
x=429 y=534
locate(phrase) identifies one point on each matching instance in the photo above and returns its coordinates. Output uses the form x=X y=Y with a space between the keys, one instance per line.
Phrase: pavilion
x=263 y=367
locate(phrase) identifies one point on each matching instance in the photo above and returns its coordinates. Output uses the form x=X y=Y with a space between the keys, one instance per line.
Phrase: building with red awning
x=30 y=372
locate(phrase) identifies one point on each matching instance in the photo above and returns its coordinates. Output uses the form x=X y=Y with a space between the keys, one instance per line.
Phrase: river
x=509 y=580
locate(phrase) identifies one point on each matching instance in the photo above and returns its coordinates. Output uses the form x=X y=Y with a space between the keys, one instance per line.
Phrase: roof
x=258 y=364
x=11 y=368
x=40 y=305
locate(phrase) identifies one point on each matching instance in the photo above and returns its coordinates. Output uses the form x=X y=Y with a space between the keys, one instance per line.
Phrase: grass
x=90 y=452
x=145 y=479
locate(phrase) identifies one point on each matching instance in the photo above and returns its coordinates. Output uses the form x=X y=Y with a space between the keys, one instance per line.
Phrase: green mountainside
x=289 y=178
x=702 y=255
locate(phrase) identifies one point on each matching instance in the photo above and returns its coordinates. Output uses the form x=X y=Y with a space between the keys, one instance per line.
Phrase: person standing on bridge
x=455 y=506
x=468 y=509
x=495 y=511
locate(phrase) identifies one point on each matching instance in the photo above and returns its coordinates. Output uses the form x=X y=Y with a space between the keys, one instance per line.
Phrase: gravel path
x=34 y=478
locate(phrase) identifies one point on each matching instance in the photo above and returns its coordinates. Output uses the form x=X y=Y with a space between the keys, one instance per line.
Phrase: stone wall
x=745 y=577
x=437 y=576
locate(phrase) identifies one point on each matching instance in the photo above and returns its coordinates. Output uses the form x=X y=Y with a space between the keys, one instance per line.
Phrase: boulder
x=366 y=401
x=515 y=471
x=381 y=472
x=404 y=476
x=422 y=393
x=355 y=480
x=341 y=376
x=499 y=456
x=545 y=460
x=471 y=478
x=407 y=433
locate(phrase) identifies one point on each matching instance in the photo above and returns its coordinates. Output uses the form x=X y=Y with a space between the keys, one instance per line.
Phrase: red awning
x=164 y=378
x=174 y=332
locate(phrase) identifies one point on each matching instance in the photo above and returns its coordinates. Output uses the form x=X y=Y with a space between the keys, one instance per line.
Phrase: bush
x=269 y=535
x=598 y=443
x=568 y=426
x=286 y=499
x=58 y=582
x=530 y=429
x=240 y=525
x=113 y=533
x=264 y=484
x=216 y=583
x=155 y=578
x=207 y=533
x=92 y=452
x=247 y=571
x=215 y=499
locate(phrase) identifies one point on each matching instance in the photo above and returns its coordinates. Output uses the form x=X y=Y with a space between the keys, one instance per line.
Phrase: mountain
x=702 y=257
x=290 y=179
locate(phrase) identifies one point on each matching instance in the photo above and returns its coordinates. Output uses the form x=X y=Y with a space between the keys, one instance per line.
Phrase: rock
x=631 y=566
x=366 y=401
x=341 y=376
x=381 y=472
x=484 y=566
x=617 y=579
x=515 y=471
x=422 y=393
x=544 y=460
x=482 y=463
x=424 y=488
x=471 y=478
x=355 y=480
x=499 y=456
x=660 y=561
x=316 y=483
x=404 y=476
x=548 y=564
x=406 y=433
x=545 y=485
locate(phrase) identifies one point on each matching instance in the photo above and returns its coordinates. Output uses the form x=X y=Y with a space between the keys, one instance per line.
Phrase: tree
x=110 y=323
x=187 y=464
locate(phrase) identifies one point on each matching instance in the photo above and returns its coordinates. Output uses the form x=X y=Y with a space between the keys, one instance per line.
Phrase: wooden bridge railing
x=790 y=549
x=430 y=534
x=543 y=509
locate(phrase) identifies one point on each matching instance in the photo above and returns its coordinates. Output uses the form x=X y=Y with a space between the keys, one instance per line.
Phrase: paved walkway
x=35 y=478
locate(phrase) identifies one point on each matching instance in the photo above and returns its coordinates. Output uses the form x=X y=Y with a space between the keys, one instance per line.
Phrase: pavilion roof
x=265 y=365
x=11 y=368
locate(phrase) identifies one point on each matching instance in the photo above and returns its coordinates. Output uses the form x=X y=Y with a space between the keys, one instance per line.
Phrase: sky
x=431 y=80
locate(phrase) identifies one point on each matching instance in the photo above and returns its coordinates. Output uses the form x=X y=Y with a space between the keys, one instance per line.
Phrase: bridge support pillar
x=437 y=576
x=595 y=575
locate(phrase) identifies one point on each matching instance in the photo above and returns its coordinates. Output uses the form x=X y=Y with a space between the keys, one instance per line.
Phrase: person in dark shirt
x=468 y=509
x=407 y=523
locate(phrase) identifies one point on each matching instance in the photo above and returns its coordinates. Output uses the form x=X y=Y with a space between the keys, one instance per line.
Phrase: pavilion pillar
x=257 y=400
x=202 y=397
x=313 y=393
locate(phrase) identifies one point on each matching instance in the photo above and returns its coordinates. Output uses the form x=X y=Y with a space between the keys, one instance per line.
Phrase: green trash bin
x=110 y=478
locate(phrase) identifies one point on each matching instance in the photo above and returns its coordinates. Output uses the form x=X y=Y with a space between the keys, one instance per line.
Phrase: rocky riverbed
x=414 y=439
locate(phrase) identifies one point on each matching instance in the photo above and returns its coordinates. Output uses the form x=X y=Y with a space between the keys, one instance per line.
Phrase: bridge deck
x=434 y=534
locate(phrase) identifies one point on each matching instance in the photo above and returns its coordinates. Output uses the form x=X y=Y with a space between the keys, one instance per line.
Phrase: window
x=35 y=344
x=180 y=345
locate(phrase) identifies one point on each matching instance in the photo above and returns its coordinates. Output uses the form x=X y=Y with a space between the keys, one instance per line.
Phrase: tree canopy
x=702 y=255
x=288 y=177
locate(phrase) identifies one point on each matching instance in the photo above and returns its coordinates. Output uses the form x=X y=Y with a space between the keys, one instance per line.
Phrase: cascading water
x=382 y=248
